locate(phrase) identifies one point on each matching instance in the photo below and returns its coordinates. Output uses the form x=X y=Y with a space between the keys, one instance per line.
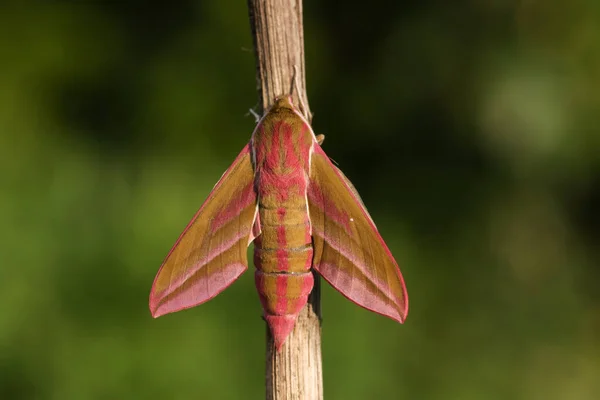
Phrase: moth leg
x=320 y=139
x=254 y=114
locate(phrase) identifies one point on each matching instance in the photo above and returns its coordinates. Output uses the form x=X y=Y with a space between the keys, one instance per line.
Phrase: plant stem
x=293 y=373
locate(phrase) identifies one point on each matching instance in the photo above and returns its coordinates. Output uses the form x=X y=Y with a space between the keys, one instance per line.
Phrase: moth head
x=284 y=102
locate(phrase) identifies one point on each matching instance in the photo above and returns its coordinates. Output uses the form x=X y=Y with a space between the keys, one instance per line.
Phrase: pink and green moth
x=282 y=193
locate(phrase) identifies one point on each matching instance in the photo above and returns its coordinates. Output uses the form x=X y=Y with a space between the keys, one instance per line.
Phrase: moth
x=284 y=194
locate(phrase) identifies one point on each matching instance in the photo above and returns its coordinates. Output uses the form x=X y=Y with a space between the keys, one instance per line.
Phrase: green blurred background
x=469 y=127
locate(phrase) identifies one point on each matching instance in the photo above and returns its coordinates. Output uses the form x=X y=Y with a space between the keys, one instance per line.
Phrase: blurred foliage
x=470 y=128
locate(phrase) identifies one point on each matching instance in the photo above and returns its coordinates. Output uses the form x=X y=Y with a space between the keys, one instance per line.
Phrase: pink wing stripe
x=233 y=209
x=222 y=247
x=359 y=293
x=183 y=292
x=319 y=151
x=245 y=151
x=316 y=196
x=200 y=291
x=360 y=265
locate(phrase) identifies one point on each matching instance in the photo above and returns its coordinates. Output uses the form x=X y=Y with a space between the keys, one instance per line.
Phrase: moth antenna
x=296 y=85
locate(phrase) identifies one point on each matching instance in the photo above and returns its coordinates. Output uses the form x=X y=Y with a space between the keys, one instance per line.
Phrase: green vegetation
x=470 y=129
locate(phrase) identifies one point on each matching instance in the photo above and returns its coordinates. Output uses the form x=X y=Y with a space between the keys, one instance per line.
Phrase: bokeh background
x=469 y=127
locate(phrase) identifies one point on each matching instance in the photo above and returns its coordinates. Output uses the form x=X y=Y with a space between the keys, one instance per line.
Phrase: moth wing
x=349 y=252
x=210 y=254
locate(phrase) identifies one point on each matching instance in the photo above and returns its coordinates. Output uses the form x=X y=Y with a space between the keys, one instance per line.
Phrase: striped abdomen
x=283 y=256
x=283 y=252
